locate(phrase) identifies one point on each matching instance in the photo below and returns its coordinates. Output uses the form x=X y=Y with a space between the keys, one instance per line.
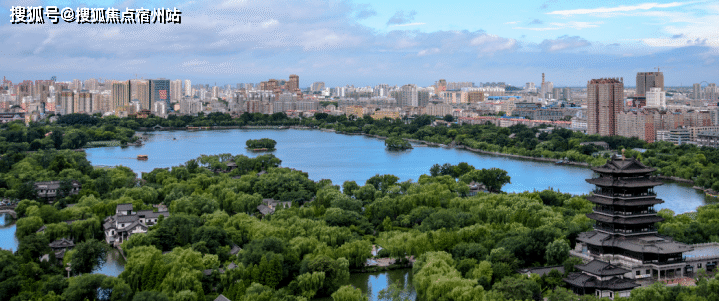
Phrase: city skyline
x=372 y=42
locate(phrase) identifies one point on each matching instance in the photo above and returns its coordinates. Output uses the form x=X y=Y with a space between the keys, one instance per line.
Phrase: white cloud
x=489 y=44
x=557 y=26
x=511 y=23
x=428 y=51
x=270 y=23
x=617 y=9
x=563 y=43
x=408 y=24
x=688 y=29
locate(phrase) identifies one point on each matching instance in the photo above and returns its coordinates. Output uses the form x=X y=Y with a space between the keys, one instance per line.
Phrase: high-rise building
x=215 y=92
x=422 y=97
x=711 y=92
x=84 y=102
x=188 y=88
x=408 y=96
x=143 y=95
x=135 y=88
x=76 y=84
x=656 y=98
x=605 y=99
x=160 y=91
x=294 y=84
x=318 y=86
x=120 y=96
x=91 y=84
x=67 y=102
x=42 y=90
x=176 y=90
x=697 y=91
x=648 y=80
x=440 y=85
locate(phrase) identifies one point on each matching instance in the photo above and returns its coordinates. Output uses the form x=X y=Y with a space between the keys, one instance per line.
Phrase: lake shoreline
x=427 y=143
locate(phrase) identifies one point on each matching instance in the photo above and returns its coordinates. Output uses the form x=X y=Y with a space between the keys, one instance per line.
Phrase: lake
x=338 y=157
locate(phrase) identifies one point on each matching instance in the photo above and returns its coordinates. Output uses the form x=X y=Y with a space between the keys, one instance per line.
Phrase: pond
x=371 y=283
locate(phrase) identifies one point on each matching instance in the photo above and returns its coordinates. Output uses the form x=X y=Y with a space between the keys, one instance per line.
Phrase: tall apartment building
x=318 y=86
x=422 y=97
x=84 y=102
x=656 y=98
x=605 y=99
x=92 y=84
x=648 y=80
x=76 y=84
x=440 y=85
x=67 y=102
x=140 y=91
x=711 y=92
x=408 y=96
x=294 y=84
x=697 y=91
x=120 y=96
x=143 y=95
x=42 y=90
x=188 y=88
x=176 y=90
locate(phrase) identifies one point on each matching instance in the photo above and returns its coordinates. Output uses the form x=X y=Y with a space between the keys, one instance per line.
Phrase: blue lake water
x=8 y=241
x=341 y=157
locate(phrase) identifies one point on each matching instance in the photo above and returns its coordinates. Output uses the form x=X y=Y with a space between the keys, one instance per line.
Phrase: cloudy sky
x=367 y=42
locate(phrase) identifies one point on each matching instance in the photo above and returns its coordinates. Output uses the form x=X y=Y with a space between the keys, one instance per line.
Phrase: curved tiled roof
x=624 y=166
x=624 y=182
x=624 y=202
x=629 y=220
x=645 y=244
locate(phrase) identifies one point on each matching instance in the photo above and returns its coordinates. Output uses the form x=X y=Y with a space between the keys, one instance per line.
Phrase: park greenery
x=460 y=247
x=264 y=144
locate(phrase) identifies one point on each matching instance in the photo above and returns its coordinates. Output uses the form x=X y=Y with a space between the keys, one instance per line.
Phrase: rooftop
x=541 y=271
x=601 y=268
x=622 y=165
x=124 y=207
x=646 y=244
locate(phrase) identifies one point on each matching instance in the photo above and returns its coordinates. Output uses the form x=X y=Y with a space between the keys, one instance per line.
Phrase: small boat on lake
x=142 y=157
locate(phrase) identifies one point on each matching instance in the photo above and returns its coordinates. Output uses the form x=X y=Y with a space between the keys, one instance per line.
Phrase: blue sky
x=372 y=42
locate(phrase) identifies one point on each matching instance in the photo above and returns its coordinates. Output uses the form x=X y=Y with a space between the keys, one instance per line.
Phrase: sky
x=369 y=42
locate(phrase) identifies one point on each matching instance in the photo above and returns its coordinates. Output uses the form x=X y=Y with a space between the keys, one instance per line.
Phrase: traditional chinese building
x=126 y=222
x=625 y=248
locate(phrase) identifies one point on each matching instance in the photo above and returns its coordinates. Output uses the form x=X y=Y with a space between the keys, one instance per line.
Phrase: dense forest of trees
x=466 y=248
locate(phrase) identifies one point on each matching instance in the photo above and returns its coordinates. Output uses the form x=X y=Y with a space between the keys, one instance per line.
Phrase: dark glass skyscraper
x=648 y=80
x=160 y=91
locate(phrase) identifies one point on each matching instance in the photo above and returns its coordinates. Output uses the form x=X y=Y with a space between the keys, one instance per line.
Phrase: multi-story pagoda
x=624 y=232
